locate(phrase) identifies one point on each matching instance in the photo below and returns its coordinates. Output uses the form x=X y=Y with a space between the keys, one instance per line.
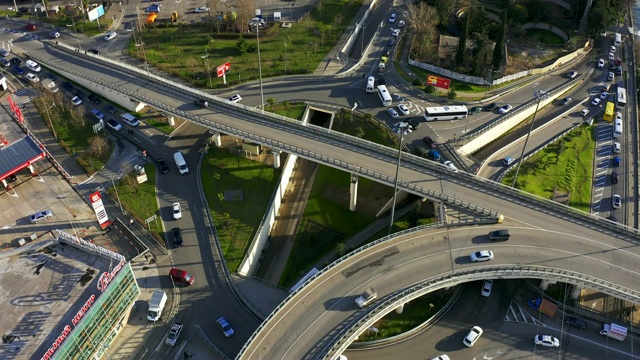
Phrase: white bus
x=445 y=113
x=621 y=97
x=370 y=84
x=618 y=39
x=384 y=95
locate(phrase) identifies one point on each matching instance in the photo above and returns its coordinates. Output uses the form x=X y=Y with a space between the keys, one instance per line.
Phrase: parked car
x=32 y=77
x=395 y=32
x=546 y=340
x=393 y=17
x=76 y=101
x=110 y=109
x=505 y=109
x=429 y=141
x=177 y=237
x=614 y=177
x=401 y=23
x=18 y=70
x=610 y=76
x=224 y=325
x=612 y=49
x=79 y=93
x=392 y=112
x=616 y=147
x=616 y=201
x=600 y=63
x=404 y=109
x=575 y=322
x=4 y=52
x=95 y=98
x=5 y=62
x=584 y=112
x=16 y=61
x=618 y=62
x=596 y=101
x=177 y=210
x=31 y=27
x=472 y=336
x=163 y=166
x=487 y=285
x=612 y=56
x=604 y=95
x=391 y=42
x=114 y=125
x=201 y=9
x=40 y=216
x=65 y=85
x=480 y=256
x=616 y=161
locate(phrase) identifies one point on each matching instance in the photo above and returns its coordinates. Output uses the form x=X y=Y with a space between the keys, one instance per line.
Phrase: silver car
x=41 y=215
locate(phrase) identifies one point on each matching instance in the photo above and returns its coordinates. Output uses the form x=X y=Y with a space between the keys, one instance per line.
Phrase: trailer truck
x=544 y=306
x=614 y=331
x=156 y=305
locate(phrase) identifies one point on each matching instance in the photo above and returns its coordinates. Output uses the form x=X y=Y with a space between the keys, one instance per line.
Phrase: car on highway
x=173 y=335
x=32 y=77
x=94 y=51
x=4 y=52
x=393 y=17
x=596 y=101
x=612 y=56
x=600 y=63
x=404 y=109
x=575 y=322
x=31 y=27
x=201 y=9
x=95 y=98
x=201 y=102
x=224 y=325
x=616 y=201
x=181 y=276
x=234 y=98
x=177 y=210
x=110 y=36
x=499 y=235
x=546 y=340
x=429 y=141
x=572 y=74
x=480 y=256
x=177 y=237
x=610 y=76
x=487 y=285
x=473 y=336
x=391 y=42
x=584 y=112
x=475 y=110
x=614 y=177
x=505 y=109
x=5 y=62
x=54 y=34
x=16 y=61
x=163 y=166
x=395 y=32
x=393 y=112
x=451 y=166
x=112 y=123
x=616 y=148
x=18 y=70
x=76 y=101
x=40 y=216
x=604 y=95
x=508 y=161
x=616 y=161
x=565 y=101
x=491 y=107
x=612 y=49
x=612 y=218
x=67 y=86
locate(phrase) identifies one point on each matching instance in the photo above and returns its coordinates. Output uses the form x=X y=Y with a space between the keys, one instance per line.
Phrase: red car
x=181 y=276
x=31 y=27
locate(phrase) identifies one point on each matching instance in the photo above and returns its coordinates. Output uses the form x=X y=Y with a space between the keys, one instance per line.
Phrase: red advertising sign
x=98 y=208
x=16 y=109
x=437 y=81
x=223 y=69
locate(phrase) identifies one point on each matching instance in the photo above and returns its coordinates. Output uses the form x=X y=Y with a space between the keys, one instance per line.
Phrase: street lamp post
x=260 y=69
x=540 y=94
x=355 y=105
x=53 y=129
x=401 y=127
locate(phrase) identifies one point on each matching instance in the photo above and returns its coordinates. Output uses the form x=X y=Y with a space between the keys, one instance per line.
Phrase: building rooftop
x=42 y=287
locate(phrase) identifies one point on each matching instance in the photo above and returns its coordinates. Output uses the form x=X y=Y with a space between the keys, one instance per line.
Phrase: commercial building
x=63 y=299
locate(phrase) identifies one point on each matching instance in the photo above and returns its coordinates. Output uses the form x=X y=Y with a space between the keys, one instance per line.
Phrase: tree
x=271 y=101
x=358 y=132
x=98 y=145
x=462 y=43
x=241 y=45
x=451 y=95
x=444 y=8
x=191 y=62
x=245 y=12
x=338 y=19
x=498 y=50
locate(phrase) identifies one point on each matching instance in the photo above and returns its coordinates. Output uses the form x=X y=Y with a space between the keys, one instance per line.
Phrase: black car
x=177 y=237
x=110 y=108
x=201 y=102
x=491 y=107
x=432 y=144
x=16 y=61
x=612 y=218
x=79 y=93
x=475 y=110
x=94 y=51
x=95 y=98
x=415 y=123
x=65 y=85
x=164 y=168
x=565 y=101
x=614 y=177
x=391 y=42
x=576 y=322
x=382 y=81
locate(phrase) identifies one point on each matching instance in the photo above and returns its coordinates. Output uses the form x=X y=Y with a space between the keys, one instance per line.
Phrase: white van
x=617 y=128
x=370 y=84
x=181 y=163
x=130 y=119
x=34 y=66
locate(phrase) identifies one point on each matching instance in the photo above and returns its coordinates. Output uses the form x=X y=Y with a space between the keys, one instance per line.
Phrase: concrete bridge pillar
x=353 y=199
x=544 y=285
x=216 y=138
x=576 y=291
x=276 y=158
x=400 y=309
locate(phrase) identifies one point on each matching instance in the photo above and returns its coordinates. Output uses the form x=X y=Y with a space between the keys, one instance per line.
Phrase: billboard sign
x=98 y=208
x=223 y=69
x=439 y=82
x=96 y=13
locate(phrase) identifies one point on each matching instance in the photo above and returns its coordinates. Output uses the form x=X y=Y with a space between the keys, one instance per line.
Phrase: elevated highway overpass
x=557 y=242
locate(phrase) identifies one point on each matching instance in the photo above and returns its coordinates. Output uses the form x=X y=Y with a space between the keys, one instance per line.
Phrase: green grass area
x=414 y=313
x=544 y=36
x=140 y=199
x=160 y=124
x=566 y=166
x=192 y=52
x=422 y=213
x=236 y=220
x=293 y=111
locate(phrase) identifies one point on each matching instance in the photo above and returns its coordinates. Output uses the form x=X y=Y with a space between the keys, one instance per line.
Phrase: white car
x=54 y=34
x=572 y=74
x=202 y=9
x=442 y=357
x=546 y=340
x=600 y=63
x=616 y=201
x=619 y=116
x=584 y=112
x=487 y=285
x=617 y=148
x=41 y=215
x=393 y=18
x=451 y=166
x=173 y=335
x=612 y=56
x=612 y=49
x=110 y=36
x=392 y=112
x=596 y=101
x=610 y=75
x=604 y=95
x=177 y=211
x=114 y=125
x=32 y=77
x=234 y=98
x=505 y=109
x=76 y=101
x=480 y=256
x=472 y=336
x=395 y=32
x=401 y=23
x=4 y=53
x=404 y=109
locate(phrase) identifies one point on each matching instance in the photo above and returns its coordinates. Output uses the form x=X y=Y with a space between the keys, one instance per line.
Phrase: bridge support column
x=353 y=199
x=575 y=293
x=216 y=139
x=276 y=158
x=400 y=309
x=545 y=284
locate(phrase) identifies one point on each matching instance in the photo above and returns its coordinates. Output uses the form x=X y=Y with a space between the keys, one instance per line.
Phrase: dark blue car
x=18 y=70
x=616 y=161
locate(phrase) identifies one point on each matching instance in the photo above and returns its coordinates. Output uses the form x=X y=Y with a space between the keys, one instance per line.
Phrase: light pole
x=540 y=94
x=260 y=69
x=401 y=127
x=285 y=55
x=53 y=129
x=355 y=105
x=491 y=72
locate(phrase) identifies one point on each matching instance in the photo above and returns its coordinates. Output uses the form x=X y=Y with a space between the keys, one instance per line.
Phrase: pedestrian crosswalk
x=23 y=96
x=516 y=313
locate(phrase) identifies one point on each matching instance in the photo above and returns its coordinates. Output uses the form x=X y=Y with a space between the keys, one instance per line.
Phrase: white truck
x=156 y=305
x=614 y=331
x=367 y=297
